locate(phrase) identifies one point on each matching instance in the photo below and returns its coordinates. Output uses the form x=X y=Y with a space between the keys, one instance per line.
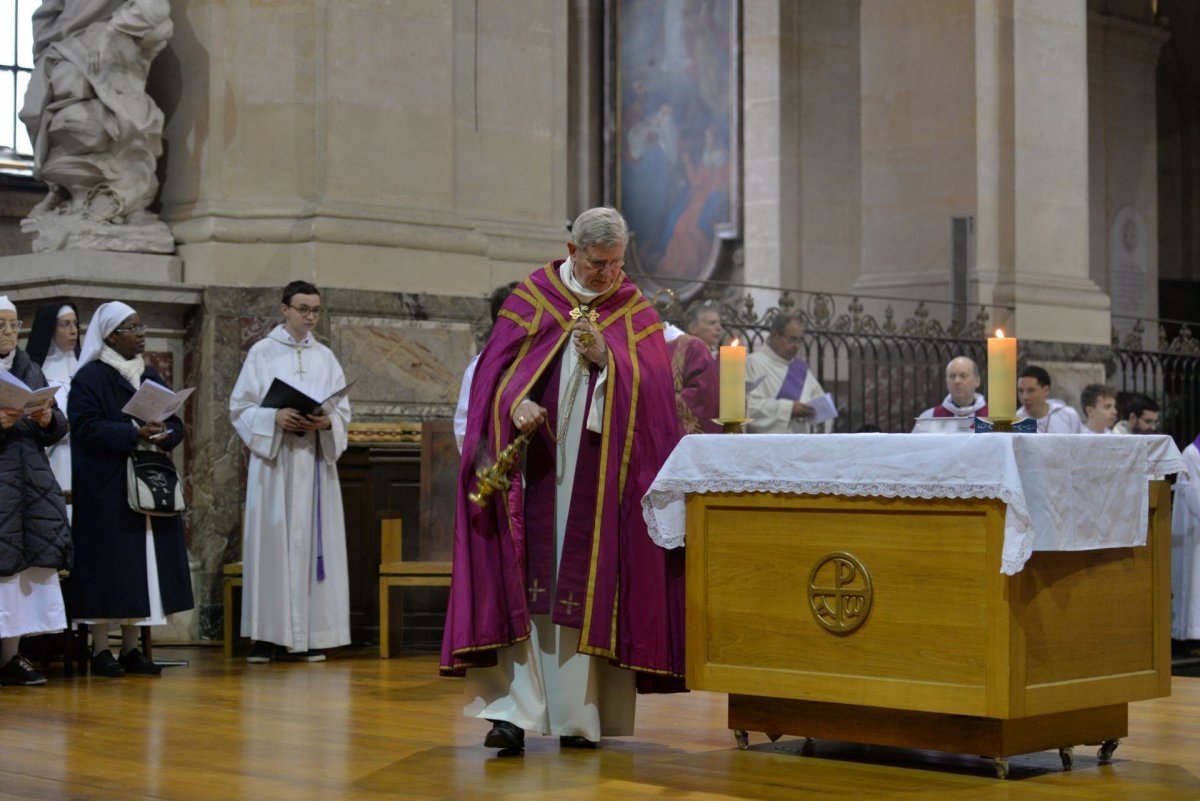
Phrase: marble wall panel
x=163 y=362
x=404 y=361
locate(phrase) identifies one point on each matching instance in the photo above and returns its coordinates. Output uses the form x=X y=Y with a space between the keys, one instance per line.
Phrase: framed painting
x=673 y=130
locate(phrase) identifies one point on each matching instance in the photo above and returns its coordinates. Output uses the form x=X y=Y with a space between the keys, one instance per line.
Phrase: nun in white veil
x=130 y=568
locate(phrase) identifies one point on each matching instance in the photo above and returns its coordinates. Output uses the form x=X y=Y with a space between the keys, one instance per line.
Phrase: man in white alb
x=295 y=581
x=780 y=383
x=1185 y=548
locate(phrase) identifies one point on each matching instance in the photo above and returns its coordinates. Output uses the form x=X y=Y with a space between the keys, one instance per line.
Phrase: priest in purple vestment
x=962 y=399
x=697 y=384
x=560 y=604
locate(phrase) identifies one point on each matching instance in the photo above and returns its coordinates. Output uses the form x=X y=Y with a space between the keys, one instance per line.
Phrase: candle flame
x=735 y=343
x=999 y=333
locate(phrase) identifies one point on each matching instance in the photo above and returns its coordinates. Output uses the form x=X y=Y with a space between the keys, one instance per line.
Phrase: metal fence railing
x=883 y=372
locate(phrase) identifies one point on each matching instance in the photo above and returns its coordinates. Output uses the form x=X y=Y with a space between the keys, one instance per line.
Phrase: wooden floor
x=357 y=727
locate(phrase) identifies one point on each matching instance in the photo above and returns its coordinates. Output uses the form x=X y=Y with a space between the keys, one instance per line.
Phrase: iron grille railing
x=884 y=369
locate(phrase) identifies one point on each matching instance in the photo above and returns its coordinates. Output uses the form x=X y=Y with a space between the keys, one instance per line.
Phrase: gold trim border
x=383 y=433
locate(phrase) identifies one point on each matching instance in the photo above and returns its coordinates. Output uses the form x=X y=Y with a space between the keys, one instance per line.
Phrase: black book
x=282 y=395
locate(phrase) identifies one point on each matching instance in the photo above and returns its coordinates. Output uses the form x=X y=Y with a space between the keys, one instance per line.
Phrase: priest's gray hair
x=602 y=226
x=781 y=321
x=696 y=309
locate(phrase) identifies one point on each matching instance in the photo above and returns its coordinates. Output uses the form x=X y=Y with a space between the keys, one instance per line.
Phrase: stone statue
x=96 y=134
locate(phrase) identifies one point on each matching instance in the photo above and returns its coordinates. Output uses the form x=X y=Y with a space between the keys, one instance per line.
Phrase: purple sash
x=793 y=382
x=1196 y=442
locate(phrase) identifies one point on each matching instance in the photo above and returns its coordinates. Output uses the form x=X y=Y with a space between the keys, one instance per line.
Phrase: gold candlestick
x=732 y=425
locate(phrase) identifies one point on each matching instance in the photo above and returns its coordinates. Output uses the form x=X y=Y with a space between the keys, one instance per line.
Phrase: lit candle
x=1002 y=377
x=733 y=382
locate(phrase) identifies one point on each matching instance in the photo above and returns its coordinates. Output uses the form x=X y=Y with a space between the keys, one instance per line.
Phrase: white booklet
x=16 y=394
x=823 y=409
x=154 y=403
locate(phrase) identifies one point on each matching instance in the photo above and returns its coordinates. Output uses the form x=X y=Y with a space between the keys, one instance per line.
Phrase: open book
x=16 y=394
x=282 y=395
x=154 y=403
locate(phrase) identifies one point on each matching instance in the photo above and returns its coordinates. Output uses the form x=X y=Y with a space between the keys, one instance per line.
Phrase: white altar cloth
x=1064 y=492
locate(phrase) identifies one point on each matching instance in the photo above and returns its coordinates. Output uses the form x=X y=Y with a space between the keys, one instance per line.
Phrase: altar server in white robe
x=295 y=581
x=1185 y=548
x=780 y=384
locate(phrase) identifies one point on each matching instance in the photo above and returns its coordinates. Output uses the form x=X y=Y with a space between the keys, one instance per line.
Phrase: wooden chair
x=394 y=571
x=232 y=579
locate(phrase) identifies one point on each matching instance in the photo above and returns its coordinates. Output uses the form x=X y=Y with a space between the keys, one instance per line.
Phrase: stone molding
x=351 y=224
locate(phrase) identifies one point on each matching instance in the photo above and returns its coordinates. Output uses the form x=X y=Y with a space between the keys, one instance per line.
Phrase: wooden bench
x=394 y=571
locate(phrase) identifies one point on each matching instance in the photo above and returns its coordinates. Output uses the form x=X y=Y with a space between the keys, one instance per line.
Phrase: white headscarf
x=107 y=318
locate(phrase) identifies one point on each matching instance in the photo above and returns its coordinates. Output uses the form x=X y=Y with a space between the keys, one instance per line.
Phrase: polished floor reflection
x=356 y=727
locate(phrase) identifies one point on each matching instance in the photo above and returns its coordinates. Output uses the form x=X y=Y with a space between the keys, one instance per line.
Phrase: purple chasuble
x=622 y=591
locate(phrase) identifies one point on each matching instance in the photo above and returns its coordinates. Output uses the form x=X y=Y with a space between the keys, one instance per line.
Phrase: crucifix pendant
x=300 y=362
x=586 y=338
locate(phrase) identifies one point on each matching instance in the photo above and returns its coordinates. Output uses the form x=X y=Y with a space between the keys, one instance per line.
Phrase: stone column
x=414 y=146
x=918 y=142
x=771 y=160
x=1032 y=167
x=1189 y=200
x=1123 y=152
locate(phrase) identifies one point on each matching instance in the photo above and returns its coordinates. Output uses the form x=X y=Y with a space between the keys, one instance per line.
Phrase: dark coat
x=109 y=577
x=34 y=530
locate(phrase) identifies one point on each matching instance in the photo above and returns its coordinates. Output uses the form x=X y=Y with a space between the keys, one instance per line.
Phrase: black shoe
x=575 y=741
x=105 y=664
x=505 y=735
x=134 y=661
x=302 y=656
x=19 y=671
x=261 y=652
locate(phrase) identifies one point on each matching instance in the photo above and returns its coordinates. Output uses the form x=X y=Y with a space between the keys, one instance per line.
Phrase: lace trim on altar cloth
x=665 y=504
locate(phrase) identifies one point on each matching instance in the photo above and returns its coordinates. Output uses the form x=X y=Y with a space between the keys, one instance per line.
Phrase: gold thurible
x=494 y=477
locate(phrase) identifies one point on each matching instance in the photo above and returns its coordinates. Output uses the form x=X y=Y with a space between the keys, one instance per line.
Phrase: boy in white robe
x=1052 y=415
x=1099 y=404
x=295 y=578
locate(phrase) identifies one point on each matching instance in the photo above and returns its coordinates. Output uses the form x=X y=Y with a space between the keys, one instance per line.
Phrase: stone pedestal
x=92 y=266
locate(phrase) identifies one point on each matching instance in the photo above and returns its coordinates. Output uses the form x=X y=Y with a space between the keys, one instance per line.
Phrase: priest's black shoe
x=105 y=664
x=20 y=672
x=134 y=661
x=505 y=735
x=575 y=741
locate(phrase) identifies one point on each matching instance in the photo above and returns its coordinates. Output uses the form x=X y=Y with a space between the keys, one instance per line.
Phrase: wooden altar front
x=950 y=654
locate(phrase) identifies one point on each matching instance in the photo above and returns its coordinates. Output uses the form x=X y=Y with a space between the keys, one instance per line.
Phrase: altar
x=989 y=594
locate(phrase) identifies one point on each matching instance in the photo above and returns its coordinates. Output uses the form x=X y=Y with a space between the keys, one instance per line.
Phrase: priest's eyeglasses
x=10 y=325
x=306 y=311
x=133 y=329
x=598 y=266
